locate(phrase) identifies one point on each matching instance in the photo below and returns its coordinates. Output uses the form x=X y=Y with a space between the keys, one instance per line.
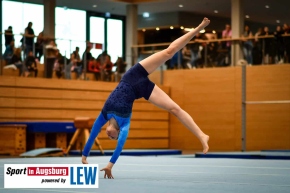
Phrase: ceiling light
x=202 y=31
x=188 y=29
x=215 y=11
x=180 y=5
x=146 y=14
x=278 y=21
x=157 y=28
x=171 y=27
x=181 y=27
x=94 y=5
x=247 y=16
x=267 y=6
x=213 y=31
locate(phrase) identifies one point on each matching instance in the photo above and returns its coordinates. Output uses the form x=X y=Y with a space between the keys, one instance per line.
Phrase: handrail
x=268 y=102
x=43 y=37
x=208 y=41
x=161 y=44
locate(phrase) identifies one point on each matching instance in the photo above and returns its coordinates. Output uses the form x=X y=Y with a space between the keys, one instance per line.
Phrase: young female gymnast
x=134 y=85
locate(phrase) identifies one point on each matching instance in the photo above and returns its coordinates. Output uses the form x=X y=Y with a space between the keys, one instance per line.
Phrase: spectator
x=28 y=38
x=51 y=50
x=9 y=52
x=94 y=66
x=121 y=68
x=69 y=67
x=279 y=44
x=107 y=67
x=186 y=57
x=248 y=45
x=31 y=64
x=102 y=57
x=77 y=65
x=286 y=30
x=267 y=46
x=175 y=60
x=59 y=64
x=39 y=46
x=9 y=37
x=227 y=34
x=16 y=62
x=87 y=56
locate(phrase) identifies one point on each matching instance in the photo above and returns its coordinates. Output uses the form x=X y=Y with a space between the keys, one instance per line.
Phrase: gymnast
x=135 y=84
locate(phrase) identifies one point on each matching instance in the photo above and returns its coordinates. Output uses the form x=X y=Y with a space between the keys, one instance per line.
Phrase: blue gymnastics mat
x=46 y=126
x=131 y=152
x=247 y=155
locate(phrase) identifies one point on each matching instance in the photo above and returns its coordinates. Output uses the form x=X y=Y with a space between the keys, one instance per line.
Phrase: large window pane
x=70 y=30
x=20 y=16
x=97 y=33
x=115 y=39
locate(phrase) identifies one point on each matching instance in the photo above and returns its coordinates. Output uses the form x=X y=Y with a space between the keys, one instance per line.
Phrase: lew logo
x=51 y=176
x=83 y=175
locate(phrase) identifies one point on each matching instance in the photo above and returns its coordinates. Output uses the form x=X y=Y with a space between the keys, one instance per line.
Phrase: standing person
x=227 y=34
x=9 y=37
x=28 y=38
x=135 y=84
x=248 y=45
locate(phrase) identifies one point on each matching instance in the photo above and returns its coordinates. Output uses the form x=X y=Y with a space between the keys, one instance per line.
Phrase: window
x=115 y=39
x=70 y=30
x=20 y=16
x=97 y=33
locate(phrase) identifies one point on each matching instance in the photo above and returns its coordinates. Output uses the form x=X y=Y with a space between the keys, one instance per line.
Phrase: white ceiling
x=279 y=9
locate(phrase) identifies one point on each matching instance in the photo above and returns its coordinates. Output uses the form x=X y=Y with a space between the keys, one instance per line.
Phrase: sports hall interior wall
x=212 y=96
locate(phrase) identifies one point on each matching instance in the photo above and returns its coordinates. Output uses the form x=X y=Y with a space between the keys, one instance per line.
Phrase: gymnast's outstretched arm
x=121 y=142
x=154 y=61
x=98 y=124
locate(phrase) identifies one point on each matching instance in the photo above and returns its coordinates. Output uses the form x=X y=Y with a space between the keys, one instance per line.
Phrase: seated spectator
x=59 y=64
x=50 y=55
x=107 y=67
x=31 y=64
x=9 y=52
x=94 y=66
x=121 y=68
x=39 y=46
x=16 y=62
x=77 y=63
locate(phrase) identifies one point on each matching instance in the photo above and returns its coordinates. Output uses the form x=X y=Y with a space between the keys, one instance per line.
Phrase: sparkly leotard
x=134 y=85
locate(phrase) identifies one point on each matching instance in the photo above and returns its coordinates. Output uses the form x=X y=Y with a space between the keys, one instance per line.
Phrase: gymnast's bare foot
x=204 y=141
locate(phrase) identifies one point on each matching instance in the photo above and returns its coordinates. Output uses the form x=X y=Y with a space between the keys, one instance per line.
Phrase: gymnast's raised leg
x=161 y=99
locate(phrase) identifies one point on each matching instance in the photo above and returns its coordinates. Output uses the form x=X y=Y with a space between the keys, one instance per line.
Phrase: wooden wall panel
x=30 y=99
x=213 y=98
x=268 y=125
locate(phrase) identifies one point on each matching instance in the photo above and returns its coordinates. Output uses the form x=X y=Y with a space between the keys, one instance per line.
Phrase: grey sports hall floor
x=172 y=174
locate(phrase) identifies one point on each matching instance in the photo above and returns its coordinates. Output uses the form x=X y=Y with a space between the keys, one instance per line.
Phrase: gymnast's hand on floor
x=108 y=172
x=84 y=160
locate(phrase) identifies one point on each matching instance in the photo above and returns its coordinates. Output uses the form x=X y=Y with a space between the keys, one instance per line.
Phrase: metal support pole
x=179 y=60
x=65 y=65
x=161 y=74
x=85 y=65
x=244 y=114
x=205 y=55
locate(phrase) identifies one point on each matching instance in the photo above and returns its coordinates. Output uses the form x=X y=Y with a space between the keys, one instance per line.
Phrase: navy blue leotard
x=135 y=84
